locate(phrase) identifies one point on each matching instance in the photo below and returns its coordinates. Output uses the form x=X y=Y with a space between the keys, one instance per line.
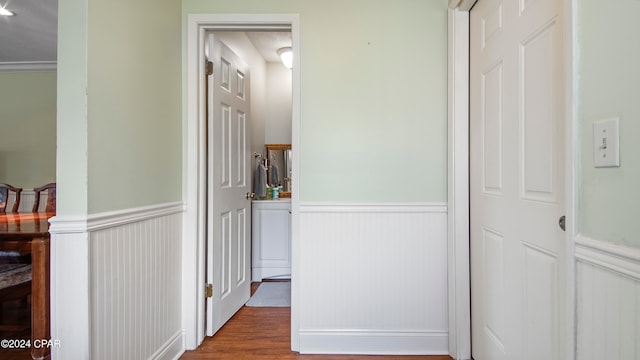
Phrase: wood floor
x=264 y=333
x=253 y=333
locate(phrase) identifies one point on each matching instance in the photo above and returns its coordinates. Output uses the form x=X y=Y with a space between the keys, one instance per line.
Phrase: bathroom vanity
x=271 y=239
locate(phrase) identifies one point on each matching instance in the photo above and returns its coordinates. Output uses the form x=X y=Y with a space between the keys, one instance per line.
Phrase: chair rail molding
x=608 y=300
x=612 y=257
x=322 y=207
x=94 y=222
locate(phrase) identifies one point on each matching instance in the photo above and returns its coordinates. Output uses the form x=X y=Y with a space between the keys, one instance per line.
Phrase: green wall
x=609 y=79
x=28 y=131
x=121 y=104
x=72 y=194
x=134 y=113
x=373 y=97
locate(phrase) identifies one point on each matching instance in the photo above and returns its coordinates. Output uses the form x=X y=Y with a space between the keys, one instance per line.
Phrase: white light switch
x=606 y=150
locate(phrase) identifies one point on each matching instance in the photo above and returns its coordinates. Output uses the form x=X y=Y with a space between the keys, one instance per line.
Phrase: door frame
x=458 y=177
x=194 y=169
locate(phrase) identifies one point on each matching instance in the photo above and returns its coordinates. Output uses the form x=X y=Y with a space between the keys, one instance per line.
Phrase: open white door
x=228 y=209
x=518 y=267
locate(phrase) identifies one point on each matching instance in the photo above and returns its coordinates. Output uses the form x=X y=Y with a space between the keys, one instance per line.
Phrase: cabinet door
x=274 y=233
x=271 y=242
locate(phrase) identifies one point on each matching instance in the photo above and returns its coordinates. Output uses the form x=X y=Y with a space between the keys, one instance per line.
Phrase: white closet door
x=516 y=179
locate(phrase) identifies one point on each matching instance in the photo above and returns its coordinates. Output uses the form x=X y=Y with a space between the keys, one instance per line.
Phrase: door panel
x=229 y=210
x=516 y=179
x=492 y=129
x=540 y=290
x=241 y=149
x=225 y=143
x=494 y=286
x=539 y=125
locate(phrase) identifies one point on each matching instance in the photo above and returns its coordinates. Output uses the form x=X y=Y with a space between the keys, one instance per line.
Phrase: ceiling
x=31 y=34
x=268 y=43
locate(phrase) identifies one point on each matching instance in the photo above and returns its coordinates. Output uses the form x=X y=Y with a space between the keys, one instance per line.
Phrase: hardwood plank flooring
x=253 y=333
x=264 y=334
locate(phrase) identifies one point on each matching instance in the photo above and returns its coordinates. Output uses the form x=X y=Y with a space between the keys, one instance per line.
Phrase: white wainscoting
x=608 y=300
x=129 y=297
x=373 y=278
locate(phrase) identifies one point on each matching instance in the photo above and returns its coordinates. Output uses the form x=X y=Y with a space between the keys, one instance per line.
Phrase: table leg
x=40 y=317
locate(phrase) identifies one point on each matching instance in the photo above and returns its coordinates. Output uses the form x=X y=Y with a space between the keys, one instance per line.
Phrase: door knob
x=250 y=195
x=561 y=222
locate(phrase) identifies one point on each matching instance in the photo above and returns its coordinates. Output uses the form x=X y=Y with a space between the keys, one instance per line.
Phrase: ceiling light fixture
x=286 y=55
x=5 y=12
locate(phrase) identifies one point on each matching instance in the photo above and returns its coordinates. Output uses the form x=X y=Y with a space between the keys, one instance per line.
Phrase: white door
x=517 y=180
x=228 y=209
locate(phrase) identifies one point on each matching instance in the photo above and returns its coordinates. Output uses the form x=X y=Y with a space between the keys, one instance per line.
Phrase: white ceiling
x=31 y=34
x=268 y=43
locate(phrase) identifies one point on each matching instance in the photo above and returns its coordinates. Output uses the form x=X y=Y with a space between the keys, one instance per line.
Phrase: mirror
x=279 y=167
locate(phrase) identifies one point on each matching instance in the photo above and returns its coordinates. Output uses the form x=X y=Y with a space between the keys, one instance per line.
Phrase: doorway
x=248 y=99
x=194 y=245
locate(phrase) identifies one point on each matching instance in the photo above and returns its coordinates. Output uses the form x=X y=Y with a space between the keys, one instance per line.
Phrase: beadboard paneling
x=608 y=301
x=132 y=296
x=135 y=277
x=373 y=279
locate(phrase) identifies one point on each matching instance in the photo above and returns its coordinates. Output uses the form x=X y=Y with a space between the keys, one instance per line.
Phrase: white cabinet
x=271 y=239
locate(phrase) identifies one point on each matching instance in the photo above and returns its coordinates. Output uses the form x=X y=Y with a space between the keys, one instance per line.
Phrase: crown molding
x=29 y=66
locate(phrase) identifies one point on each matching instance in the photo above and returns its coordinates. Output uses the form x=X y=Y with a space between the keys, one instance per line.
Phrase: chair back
x=6 y=191
x=51 y=197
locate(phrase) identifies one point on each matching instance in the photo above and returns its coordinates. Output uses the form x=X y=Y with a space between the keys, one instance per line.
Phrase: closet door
x=517 y=180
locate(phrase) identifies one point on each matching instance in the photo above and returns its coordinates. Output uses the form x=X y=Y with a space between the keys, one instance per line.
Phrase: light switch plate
x=606 y=138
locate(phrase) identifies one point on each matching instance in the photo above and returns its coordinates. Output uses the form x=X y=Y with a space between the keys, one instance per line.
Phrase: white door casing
x=194 y=171
x=228 y=210
x=518 y=262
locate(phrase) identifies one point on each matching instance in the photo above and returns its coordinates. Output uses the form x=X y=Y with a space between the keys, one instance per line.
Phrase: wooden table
x=29 y=232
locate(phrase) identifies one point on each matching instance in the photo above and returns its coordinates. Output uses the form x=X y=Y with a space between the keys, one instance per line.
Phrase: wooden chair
x=11 y=257
x=6 y=191
x=51 y=198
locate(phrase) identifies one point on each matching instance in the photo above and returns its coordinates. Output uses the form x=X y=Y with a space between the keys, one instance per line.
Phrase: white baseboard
x=374 y=342
x=172 y=349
